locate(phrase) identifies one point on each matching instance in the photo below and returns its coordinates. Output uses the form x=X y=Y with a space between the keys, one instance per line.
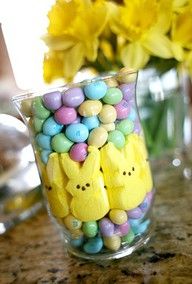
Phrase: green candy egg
x=117 y=138
x=113 y=96
x=60 y=143
x=126 y=126
x=38 y=109
x=90 y=229
x=38 y=124
x=128 y=238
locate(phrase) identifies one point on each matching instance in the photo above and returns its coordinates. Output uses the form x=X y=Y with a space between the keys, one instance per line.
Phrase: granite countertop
x=34 y=253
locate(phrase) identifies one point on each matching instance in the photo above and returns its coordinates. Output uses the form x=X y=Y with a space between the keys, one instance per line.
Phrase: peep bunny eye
x=83 y=188
x=87 y=184
x=78 y=186
x=124 y=173
x=129 y=173
x=133 y=169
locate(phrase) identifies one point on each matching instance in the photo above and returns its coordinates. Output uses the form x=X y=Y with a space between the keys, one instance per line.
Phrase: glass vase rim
x=62 y=88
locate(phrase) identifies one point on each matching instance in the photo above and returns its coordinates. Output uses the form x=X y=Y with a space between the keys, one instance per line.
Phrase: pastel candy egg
x=90 y=108
x=106 y=227
x=128 y=238
x=111 y=82
x=78 y=152
x=132 y=114
x=108 y=114
x=45 y=156
x=75 y=234
x=91 y=122
x=118 y=216
x=73 y=97
x=135 y=213
x=122 y=230
x=112 y=243
x=72 y=223
x=97 y=137
x=122 y=109
x=126 y=126
x=117 y=138
x=95 y=90
x=93 y=246
x=90 y=229
x=141 y=228
x=38 y=124
x=52 y=100
x=77 y=242
x=77 y=132
x=60 y=143
x=65 y=115
x=126 y=75
x=113 y=96
x=77 y=120
x=43 y=141
x=108 y=126
x=128 y=91
x=26 y=107
x=144 y=206
x=38 y=109
x=51 y=127
x=137 y=127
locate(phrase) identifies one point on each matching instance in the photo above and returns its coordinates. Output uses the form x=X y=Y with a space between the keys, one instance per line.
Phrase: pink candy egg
x=122 y=230
x=65 y=115
x=122 y=109
x=78 y=152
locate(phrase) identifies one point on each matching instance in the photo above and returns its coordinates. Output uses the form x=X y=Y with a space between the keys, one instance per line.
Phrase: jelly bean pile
x=79 y=117
x=93 y=162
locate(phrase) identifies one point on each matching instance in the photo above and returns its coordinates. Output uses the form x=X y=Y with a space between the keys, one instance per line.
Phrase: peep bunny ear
x=91 y=165
x=111 y=157
x=70 y=167
x=135 y=146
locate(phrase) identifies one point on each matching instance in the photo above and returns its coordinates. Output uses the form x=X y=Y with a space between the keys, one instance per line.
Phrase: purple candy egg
x=73 y=97
x=128 y=91
x=78 y=152
x=122 y=109
x=52 y=100
x=122 y=230
x=106 y=227
x=137 y=127
x=144 y=206
x=65 y=115
x=135 y=213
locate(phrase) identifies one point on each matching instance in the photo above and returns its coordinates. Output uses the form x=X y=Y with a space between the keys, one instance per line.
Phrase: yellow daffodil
x=182 y=32
x=143 y=23
x=74 y=28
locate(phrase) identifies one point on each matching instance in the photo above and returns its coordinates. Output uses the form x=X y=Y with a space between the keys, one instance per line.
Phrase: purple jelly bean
x=106 y=227
x=73 y=97
x=135 y=213
x=128 y=91
x=52 y=100
x=122 y=230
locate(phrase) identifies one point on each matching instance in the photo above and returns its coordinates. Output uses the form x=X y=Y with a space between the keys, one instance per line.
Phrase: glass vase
x=93 y=163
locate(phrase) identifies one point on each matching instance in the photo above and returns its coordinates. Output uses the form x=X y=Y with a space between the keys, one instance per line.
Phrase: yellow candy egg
x=90 y=108
x=111 y=82
x=26 y=107
x=126 y=75
x=112 y=243
x=118 y=216
x=108 y=126
x=98 y=137
x=108 y=114
x=76 y=234
x=72 y=223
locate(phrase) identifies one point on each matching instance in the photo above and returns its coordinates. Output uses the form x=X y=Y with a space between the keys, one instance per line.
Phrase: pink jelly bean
x=65 y=115
x=78 y=152
x=122 y=109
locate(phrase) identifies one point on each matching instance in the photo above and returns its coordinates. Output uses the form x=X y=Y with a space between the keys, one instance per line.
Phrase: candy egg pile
x=93 y=163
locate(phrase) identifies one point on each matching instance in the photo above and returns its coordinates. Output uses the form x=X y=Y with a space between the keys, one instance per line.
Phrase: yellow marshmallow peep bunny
x=122 y=177
x=141 y=157
x=55 y=180
x=86 y=185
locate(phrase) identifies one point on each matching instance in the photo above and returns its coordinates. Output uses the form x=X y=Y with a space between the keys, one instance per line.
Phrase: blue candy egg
x=94 y=245
x=141 y=228
x=91 y=122
x=132 y=114
x=51 y=127
x=77 y=132
x=95 y=90
x=43 y=141
x=77 y=242
x=45 y=156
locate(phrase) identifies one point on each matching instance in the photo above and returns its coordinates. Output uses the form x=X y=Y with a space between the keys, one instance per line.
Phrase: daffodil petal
x=164 y=16
x=134 y=56
x=177 y=51
x=52 y=66
x=59 y=42
x=157 y=44
x=91 y=49
x=73 y=60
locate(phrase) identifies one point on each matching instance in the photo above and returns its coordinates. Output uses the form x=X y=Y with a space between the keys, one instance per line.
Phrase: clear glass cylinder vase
x=93 y=163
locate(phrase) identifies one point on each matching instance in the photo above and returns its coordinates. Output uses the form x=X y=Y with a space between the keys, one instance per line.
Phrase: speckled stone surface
x=33 y=251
